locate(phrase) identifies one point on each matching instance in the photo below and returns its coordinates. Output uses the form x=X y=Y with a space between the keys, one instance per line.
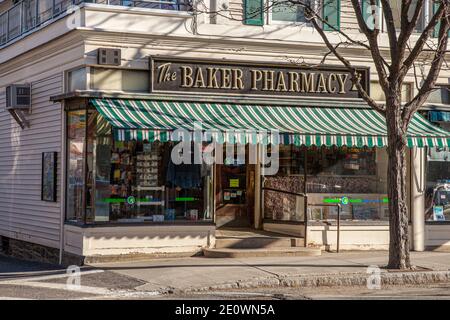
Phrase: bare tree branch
x=372 y=37
x=406 y=30
x=390 y=27
x=433 y=74
x=349 y=67
x=318 y=16
x=426 y=63
x=418 y=47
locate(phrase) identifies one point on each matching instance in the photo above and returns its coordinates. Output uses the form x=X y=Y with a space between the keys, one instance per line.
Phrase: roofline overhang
x=241 y=99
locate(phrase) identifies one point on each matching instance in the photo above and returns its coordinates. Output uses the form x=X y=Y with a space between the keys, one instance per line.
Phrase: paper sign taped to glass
x=234 y=183
x=438 y=213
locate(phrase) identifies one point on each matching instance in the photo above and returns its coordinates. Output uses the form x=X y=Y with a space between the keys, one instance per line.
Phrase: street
x=30 y=280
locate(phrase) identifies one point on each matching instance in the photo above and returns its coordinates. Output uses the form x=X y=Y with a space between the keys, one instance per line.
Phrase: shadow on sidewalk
x=162 y=266
x=13 y=268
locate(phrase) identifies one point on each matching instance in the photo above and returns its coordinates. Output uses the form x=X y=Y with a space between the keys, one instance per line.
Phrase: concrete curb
x=333 y=280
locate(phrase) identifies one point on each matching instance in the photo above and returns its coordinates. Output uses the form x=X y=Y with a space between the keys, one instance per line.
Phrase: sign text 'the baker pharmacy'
x=171 y=75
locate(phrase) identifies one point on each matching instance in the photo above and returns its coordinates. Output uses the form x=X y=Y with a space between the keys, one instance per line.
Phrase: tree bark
x=398 y=211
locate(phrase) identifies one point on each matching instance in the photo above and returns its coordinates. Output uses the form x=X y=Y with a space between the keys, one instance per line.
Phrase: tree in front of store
x=406 y=51
x=404 y=55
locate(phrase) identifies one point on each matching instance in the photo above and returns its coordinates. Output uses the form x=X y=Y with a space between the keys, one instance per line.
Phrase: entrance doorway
x=235 y=193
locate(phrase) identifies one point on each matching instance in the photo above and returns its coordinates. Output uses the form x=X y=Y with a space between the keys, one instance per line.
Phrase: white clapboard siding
x=236 y=8
x=22 y=213
x=348 y=17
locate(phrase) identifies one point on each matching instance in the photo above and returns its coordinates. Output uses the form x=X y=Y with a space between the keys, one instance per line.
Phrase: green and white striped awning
x=159 y=120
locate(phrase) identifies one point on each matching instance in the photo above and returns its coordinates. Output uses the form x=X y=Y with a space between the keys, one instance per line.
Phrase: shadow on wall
x=137 y=239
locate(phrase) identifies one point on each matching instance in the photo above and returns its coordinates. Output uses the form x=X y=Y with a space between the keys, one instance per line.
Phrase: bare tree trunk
x=398 y=210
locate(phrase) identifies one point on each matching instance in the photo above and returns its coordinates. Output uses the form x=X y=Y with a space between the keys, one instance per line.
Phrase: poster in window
x=48 y=187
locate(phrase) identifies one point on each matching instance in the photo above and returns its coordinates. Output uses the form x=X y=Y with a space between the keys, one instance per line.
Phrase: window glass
x=232 y=175
x=437 y=198
x=77 y=79
x=14 y=22
x=120 y=80
x=396 y=6
x=437 y=191
x=287 y=12
x=136 y=181
x=167 y=4
x=45 y=10
x=76 y=133
x=440 y=95
x=29 y=15
x=377 y=93
x=61 y=6
x=3 y=28
x=352 y=177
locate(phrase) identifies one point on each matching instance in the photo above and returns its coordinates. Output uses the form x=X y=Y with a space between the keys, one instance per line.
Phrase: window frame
x=310 y=195
x=425 y=17
x=439 y=87
x=408 y=85
x=269 y=20
x=81 y=106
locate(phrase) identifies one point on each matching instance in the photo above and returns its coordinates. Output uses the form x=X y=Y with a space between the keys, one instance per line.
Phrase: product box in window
x=170 y=214
x=192 y=214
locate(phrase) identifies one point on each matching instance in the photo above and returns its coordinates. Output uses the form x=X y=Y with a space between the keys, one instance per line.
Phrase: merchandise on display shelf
x=147 y=166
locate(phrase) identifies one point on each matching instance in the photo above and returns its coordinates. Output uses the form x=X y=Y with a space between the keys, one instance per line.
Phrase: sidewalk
x=348 y=268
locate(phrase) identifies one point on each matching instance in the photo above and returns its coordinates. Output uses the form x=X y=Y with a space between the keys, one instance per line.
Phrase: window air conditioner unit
x=18 y=102
x=18 y=97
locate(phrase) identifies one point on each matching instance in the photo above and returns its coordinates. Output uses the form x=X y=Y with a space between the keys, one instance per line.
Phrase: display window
x=130 y=181
x=76 y=134
x=354 y=178
x=437 y=195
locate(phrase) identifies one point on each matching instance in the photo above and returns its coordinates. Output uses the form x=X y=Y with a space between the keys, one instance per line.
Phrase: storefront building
x=437 y=187
x=143 y=142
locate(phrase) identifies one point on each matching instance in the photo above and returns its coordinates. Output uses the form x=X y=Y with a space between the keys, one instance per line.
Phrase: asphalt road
x=10 y=266
x=31 y=280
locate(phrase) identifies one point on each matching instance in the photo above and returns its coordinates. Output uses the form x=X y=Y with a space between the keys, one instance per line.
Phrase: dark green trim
x=438 y=25
x=365 y=13
x=254 y=12
x=250 y=100
x=331 y=12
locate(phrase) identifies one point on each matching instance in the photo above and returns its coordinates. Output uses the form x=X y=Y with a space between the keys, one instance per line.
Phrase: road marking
x=39 y=282
x=65 y=287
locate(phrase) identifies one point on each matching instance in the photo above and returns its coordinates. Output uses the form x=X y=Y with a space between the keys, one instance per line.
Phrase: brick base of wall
x=36 y=252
